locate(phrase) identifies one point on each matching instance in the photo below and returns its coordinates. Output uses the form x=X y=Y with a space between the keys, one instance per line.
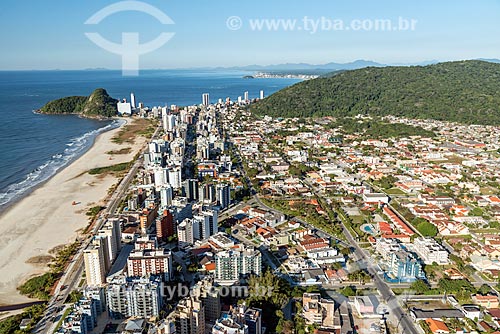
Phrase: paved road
x=73 y=274
x=365 y=260
x=406 y=322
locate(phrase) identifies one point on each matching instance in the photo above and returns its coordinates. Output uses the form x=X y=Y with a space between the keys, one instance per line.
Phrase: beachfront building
x=74 y=323
x=124 y=108
x=205 y=99
x=98 y=295
x=112 y=232
x=96 y=261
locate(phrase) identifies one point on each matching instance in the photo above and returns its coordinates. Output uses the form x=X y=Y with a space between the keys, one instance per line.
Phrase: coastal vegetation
x=462 y=91
x=98 y=105
x=125 y=150
x=113 y=169
x=94 y=211
x=11 y=324
x=139 y=127
x=40 y=287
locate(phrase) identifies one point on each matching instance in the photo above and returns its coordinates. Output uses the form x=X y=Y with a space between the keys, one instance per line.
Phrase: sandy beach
x=47 y=218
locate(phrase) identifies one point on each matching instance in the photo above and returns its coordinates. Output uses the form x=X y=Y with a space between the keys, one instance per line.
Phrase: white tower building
x=166 y=196
x=132 y=100
x=205 y=99
x=174 y=177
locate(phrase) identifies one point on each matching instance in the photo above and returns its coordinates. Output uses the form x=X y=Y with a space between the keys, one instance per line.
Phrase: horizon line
x=236 y=67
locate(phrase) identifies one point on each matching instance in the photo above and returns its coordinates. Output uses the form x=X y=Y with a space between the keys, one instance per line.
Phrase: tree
x=456 y=286
x=270 y=293
x=345 y=251
x=75 y=296
x=387 y=182
x=484 y=289
x=252 y=172
x=452 y=91
x=348 y=291
x=476 y=212
x=360 y=275
x=294 y=170
x=420 y=287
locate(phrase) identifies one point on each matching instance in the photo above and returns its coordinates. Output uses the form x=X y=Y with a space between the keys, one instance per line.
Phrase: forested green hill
x=462 y=91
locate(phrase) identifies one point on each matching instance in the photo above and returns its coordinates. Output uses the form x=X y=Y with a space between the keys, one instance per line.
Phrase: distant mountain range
x=328 y=67
x=304 y=66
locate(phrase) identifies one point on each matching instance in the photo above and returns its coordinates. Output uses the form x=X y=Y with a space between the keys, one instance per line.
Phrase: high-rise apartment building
x=231 y=265
x=223 y=194
x=148 y=262
x=191 y=189
x=190 y=316
x=96 y=261
x=205 y=98
x=165 y=226
x=134 y=297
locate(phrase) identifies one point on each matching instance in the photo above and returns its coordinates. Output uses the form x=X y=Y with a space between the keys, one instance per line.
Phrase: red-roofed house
x=315 y=243
x=437 y=326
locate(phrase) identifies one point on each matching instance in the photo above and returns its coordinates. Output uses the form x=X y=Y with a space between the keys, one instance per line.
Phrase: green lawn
x=357 y=219
x=395 y=191
x=484 y=230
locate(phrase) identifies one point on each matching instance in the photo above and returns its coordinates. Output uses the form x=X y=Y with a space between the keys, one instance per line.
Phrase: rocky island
x=98 y=105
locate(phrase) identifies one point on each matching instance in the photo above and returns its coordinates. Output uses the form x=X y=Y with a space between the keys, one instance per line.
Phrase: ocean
x=34 y=147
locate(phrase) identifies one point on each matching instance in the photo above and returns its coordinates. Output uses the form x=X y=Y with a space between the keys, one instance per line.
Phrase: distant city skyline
x=223 y=34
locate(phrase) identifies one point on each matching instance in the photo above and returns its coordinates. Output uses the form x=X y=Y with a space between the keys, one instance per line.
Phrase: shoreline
x=46 y=218
x=4 y=207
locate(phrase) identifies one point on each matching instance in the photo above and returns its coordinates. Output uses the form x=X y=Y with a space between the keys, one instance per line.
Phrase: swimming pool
x=368 y=228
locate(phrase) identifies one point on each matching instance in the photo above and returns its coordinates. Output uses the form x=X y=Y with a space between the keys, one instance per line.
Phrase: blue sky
x=50 y=34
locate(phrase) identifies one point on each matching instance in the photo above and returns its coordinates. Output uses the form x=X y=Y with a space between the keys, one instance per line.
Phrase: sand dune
x=46 y=218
